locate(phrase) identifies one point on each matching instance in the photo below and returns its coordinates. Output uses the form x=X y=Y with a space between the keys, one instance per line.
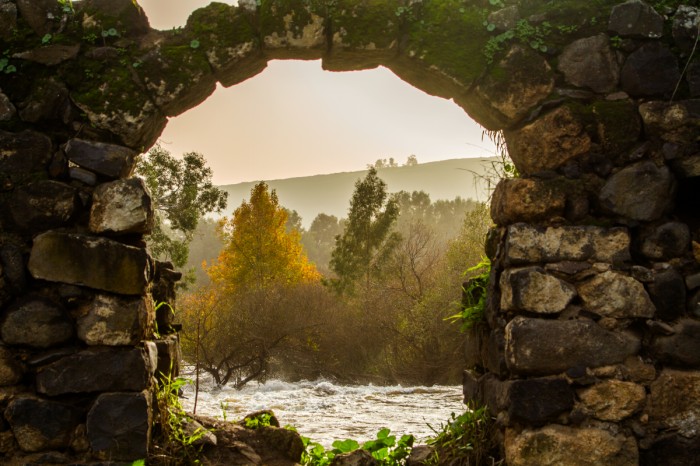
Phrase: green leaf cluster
x=385 y=448
x=474 y=296
x=465 y=439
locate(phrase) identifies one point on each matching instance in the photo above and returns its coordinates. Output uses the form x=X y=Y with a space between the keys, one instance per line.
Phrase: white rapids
x=324 y=411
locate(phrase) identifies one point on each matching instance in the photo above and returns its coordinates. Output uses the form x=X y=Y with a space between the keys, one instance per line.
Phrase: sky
x=294 y=119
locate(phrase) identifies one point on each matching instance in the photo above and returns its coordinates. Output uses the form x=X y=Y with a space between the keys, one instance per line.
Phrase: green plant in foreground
x=465 y=440
x=386 y=449
x=474 y=303
x=258 y=421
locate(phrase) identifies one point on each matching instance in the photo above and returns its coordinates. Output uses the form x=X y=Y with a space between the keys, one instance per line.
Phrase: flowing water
x=326 y=412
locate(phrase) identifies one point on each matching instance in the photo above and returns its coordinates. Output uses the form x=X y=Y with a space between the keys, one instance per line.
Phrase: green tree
x=182 y=193
x=319 y=240
x=361 y=252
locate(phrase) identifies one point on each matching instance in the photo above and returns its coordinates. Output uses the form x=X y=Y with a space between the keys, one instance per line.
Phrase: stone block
x=97 y=370
x=95 y=262
x=531 y=289
x=666 y=241
x=109 y=160
x=36 y=322
x=169 y=356
x=590 y=62
x=635 y=18
x=119 y=426
x=651 y=70
x=40 y=424
x=535 y=402
x=681 y=349
x=570 y=446
x=613 y=400
x=527 y=244
x=525 y=200
x=43 y=205
x=121 y=207
x=668 y=293
x=546 y=347
x=612 y=294
x=674 y=402
x=113 y=320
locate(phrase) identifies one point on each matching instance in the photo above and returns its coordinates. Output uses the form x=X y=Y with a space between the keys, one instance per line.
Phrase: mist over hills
x=330 y=194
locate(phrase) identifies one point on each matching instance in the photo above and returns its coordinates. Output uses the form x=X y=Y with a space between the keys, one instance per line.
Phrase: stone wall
x=590 y=352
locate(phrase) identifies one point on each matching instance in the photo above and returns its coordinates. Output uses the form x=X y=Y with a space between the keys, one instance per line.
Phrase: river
x=324 y=411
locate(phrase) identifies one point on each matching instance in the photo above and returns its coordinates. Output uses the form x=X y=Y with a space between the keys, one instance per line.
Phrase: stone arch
x=591 y=259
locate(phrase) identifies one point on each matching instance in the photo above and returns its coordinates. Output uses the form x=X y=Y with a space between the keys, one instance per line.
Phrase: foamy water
x=326 y=412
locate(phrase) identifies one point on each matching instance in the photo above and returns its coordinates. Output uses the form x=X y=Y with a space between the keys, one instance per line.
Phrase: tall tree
x=182 y=193
x=319 y=240
x=362 y=250
x=259 y=251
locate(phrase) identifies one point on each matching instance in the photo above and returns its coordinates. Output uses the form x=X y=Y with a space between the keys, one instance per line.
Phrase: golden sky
x=294 y=119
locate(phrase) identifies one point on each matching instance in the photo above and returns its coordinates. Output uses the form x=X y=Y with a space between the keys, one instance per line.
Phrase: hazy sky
x=294 y=119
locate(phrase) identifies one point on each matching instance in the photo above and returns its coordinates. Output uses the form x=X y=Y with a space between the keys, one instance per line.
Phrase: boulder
x=111 y=320
x=668 y=293
x=549 y=142
x=635 y=18
x=95 y=262
x=666 y=241
x=531 y=289
x=43 y=205
x=119 y=426
x=642 y=191
x=682 y=349
x=612 y=294
x=109 y=160
x=570 y=446
x=527 y=244
x=525 y=200
x=36 y=322
x=121 y=207
x=613 y=400
x=590 y=62
x=651 y=70
x=674 y=402
x=97 y=370
x=546 y=347
x=40 y=424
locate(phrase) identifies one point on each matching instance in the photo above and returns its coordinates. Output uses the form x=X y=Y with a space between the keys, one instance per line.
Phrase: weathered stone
x=84 y=176
x=36 y=322
x=532 y=289
x=666 y=241
x=121 y=207
x=529 y=244
x=681 y=349
x=41 y=424
x=123 y=15
x=97 y=370
x=591 y=63
x=7 y=110
x=613 y=400
x=119 y=426
x=687 y=167
x=548 y=143
x=535 y=402
x=544 y=347
x=22 y=154
x=39 y=14
x=106 y=159
x=94 y=262
x=525 y=200
x=668 y=294
x=47 y=101
x=14 y=270
x=641 y=191
x=505 y=18
x=651 y=70
x=50 y=55
x=674 y=402
x=112 y=320
x=561 y=445
x=169 y=356
x=635 y=18
x=618 y=127
x=639 y=371
x=686 y=22
x=612 y=294
x=43 y=205
x=675 y=122
x=354 y=458
x=302 y=30
x=420 y=455
x=11 y=370
x=523 y=80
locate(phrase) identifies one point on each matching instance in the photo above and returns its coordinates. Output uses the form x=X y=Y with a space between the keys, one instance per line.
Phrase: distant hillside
x=330 y=194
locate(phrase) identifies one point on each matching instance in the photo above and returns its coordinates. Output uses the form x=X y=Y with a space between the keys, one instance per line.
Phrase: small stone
x=106 y=159
x=7 y=110
x=41 y=424
x=674 y=402
x=36 y=322
x=666 y=241
x=121 y=207
x=613 y=400
x=531 y=289
x=113 y=321
x=682 y=348
x=612 y=294
x=591 y=63
x=675 y=122
x=51 y=55
x=660 y=328
x=668 y=293
x=420 y=455
x=11 y=371
x=651 y=70
x=119 y=426
x=641 y=191
x=84 y=176
x=687 y=167
x=505 y=18
x=635 y=18
x=639 y=371
x=354 y=458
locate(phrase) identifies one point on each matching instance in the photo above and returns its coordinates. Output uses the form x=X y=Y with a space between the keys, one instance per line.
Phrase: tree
x=319 y=240
x=411 y=161
x=259 y=251
x=182 y=193
x=365 y=245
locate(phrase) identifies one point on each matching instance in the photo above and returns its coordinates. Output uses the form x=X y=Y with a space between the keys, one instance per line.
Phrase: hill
x=330 y=194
